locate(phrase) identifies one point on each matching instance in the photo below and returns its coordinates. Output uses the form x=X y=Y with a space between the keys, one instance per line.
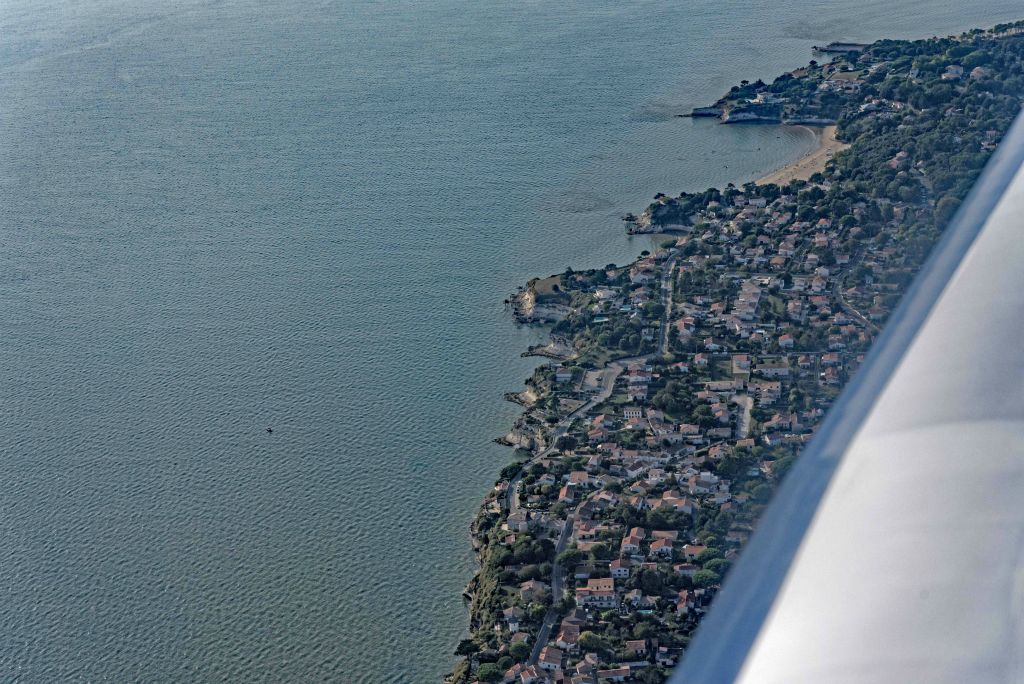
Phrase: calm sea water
x=218 y=217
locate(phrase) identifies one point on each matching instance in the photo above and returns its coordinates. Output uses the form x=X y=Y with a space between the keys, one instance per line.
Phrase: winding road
x=609 y=375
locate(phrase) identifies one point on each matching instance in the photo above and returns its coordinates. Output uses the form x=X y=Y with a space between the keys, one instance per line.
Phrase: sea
x=253 y=258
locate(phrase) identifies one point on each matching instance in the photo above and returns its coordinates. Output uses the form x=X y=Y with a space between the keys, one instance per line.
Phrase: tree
x=705 y=578
x=718 y=566
x=649 y=582
x=945 y=209
x=569 y=558
x=566 y=443
x=589 y=641
x=467 y=647
x=644 y=630
x=651 y=675
x=509 y=471
x=708 y=554
x=519 y=651
x=490 y=672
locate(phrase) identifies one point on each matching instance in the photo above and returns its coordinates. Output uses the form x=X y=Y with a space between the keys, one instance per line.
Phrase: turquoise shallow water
x=223 y=216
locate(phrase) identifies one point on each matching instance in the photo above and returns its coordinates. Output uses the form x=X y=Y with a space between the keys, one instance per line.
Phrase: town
x=681 y=387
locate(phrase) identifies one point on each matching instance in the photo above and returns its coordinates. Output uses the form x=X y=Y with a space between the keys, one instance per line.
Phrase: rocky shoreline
x=683 y=385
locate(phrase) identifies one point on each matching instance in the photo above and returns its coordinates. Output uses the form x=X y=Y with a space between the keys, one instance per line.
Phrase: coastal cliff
x=542 y=300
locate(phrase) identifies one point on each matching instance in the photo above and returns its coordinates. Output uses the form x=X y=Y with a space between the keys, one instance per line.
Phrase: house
x=617 y=674
x=512 y=618
x=685 y=569
x=518 y=522
x=576 y=616
x=719 y=451
x=665 y=657
x=702 y=483
x=583 y=671
x=532 y=675
x=953 y=72
x=777 y=368
x=619 y=568
x=691 y=551
x=532 y=589
x=519 y=636
x=638 y=599
x=672 y=499
x=767 y=391
x=630 y=545
x=662 y=548
x=550 y=658
x=601 y=583
x=683 y=602
x=632 y=412
x=580 y=478
x=565 y=495
x=740 y=363
x=568 y=637
x=639 y=376
x=596 y=598
x=636 y=648
x=599 y=592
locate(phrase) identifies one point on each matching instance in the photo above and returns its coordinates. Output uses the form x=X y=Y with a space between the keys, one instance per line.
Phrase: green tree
x=566 y=443
x=467 y=647
x=589 y=641
x=945 y=209
x=644 y=630
x=490 y=672
x=705 y=578
x=709 y=553
x=519 y=651
x=570 y=558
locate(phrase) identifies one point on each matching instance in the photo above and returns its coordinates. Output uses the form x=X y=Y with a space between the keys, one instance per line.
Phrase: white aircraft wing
x=894 y=551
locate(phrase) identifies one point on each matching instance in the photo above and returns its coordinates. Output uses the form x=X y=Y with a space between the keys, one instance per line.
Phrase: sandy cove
x=812 y=162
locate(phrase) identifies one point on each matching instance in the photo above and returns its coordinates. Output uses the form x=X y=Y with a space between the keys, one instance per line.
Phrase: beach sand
x=811 y=163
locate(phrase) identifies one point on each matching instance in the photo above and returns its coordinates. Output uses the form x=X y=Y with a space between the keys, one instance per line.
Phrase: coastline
x=697 y=374
x=826 y=147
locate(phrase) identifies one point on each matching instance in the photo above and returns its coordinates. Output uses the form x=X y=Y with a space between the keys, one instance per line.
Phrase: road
x=743 y=422
x=557 y=580
x=611 y=373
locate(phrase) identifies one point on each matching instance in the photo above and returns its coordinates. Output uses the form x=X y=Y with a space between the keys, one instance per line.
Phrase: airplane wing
x=894 y=550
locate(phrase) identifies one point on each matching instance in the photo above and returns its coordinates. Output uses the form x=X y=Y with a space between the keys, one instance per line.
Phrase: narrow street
x=611 y=373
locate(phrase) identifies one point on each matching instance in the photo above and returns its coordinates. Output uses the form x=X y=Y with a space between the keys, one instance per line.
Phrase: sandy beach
x=811 y=163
